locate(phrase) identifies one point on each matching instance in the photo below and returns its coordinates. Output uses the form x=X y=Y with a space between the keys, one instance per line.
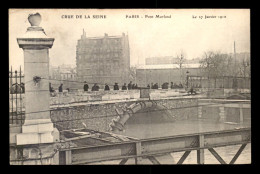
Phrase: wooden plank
x=238 y=153
x=184 y=156
x=216 y=155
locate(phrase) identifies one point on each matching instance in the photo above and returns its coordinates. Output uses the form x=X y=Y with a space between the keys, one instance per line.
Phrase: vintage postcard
x=129 y=86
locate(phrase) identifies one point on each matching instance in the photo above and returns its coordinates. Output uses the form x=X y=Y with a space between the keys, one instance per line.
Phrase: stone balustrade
x=77 y=96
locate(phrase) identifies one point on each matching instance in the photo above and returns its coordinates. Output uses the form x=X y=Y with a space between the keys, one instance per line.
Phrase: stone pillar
x=222 y=113
x=38 y=127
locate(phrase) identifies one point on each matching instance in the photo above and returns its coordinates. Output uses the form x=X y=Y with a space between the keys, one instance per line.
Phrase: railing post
x=200 y=152
x=11 y=91
x=138 y=152
x=68 y=157
x=16 y=90
x=20 y=114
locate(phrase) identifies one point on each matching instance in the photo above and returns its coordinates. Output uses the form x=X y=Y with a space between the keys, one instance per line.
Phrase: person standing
x=172 y=86
x=156 y=86
x=133 y=86
x=85 y=86
x=106 y=87
x=130 y=85
x=60 y=88
x=116 y=87
x=152 y=86
x=124 y=87
x=51 y=88
x=95 y=87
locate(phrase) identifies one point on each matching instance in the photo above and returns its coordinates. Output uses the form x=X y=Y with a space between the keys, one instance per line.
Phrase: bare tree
x=244 y=69
x=180 y=61
x=214 y=65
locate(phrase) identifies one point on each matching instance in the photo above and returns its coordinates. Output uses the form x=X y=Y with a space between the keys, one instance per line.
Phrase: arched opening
x=141 y=118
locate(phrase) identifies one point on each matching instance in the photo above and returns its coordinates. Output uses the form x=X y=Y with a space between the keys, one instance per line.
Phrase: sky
x=148 y=37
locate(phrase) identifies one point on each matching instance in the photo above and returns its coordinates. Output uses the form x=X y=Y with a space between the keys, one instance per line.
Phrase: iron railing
x=16 y=94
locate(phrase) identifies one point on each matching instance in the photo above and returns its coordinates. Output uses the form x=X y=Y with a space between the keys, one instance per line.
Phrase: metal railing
x=16 y=94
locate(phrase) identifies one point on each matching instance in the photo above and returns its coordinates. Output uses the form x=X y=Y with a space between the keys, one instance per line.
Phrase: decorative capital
x=35 y=37
x=35 y=19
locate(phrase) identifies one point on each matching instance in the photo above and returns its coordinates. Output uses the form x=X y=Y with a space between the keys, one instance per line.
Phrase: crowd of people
x=95 y=87
x=130 y=86
x=165 y=86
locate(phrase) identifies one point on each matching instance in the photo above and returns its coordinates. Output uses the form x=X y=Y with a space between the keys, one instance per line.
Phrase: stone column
x=38 y=127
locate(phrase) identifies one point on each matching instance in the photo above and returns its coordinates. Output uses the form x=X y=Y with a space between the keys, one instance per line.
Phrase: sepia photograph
x=129 y=86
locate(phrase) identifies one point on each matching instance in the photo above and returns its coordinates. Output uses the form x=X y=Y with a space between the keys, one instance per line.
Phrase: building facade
x=63 y=74
x=103 y=59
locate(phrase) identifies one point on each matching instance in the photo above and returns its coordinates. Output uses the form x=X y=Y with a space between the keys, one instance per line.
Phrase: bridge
x=89 y=151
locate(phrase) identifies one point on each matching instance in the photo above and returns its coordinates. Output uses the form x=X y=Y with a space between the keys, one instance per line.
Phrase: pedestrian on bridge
x=60 y=88
x=51 y=88
x=95 y=87
x=155 y=86
x=85 y=86
x=116 y=87
x=172 y=86
x=106 y=87
x=130 y=85
x=124 y=87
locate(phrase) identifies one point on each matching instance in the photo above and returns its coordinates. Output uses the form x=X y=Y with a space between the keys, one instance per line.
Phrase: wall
x=232 y=110
x=99 y=116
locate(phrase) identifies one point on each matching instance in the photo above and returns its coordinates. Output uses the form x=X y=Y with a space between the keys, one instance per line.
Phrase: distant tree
x=181 y=58
x=244 y=68
x=214 y=65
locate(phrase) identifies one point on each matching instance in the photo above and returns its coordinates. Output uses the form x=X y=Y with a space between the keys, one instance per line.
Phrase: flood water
x=149 y=125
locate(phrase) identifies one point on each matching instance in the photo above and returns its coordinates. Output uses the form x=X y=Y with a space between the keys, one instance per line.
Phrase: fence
x=16 y=95
x=227 y=82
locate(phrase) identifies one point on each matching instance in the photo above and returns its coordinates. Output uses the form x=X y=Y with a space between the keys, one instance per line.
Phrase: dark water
x=144 y=126
x=149 y=125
